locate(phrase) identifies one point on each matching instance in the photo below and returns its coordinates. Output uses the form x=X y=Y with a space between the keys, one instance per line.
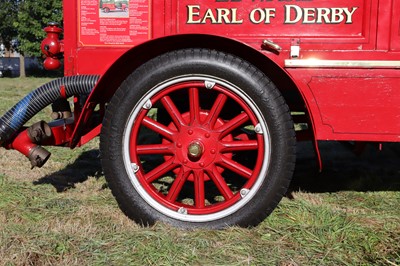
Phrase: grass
x=64 y=214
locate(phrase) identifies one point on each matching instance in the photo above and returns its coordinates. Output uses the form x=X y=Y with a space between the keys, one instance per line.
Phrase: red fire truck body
x=200 y=103
x=344 y=64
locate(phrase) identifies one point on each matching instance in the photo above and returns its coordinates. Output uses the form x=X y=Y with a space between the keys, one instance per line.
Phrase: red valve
x=52 y=46
x=51 y=63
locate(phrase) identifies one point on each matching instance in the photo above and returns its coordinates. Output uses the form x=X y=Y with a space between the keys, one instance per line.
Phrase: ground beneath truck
x=373 y=170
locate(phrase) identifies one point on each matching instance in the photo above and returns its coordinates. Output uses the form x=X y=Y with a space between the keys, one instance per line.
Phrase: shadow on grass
x=85 y=166
x=343 y=170
x=373 y=170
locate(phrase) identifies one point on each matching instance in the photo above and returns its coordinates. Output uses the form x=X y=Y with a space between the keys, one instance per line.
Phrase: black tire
x=106 y=10
x=238 y=186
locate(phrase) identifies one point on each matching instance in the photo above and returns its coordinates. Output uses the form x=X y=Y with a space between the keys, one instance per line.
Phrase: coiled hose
x=38 y=99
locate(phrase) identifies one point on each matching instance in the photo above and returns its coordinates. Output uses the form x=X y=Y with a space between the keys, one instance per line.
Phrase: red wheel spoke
x=194 y=105
x=160 y=170
x=177 y=185
x=199 y=191
x=219 y=181
x=236 y=167
x=243 y=145
x=158 y=128
x=154 y=149
x=216 y=110
x=173 y=111
x=233 y=124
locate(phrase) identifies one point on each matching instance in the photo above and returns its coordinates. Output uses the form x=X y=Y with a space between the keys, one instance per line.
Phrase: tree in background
x=33 y=17
x=8 y=16
x=25 y=20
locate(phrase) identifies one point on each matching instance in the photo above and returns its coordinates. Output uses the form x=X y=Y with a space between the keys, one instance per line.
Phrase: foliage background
x=24 y=20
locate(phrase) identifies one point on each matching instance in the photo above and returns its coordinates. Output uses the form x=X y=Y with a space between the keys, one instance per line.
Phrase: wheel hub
x=197 y=145
x=195 y=150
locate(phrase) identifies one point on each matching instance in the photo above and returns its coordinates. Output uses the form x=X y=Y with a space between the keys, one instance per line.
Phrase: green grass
x=64 y=214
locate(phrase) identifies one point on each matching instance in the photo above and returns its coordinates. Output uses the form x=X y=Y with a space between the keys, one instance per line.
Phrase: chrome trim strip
x=316 y=63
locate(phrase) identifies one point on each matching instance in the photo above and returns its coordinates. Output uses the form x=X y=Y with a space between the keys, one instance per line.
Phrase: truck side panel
x=321 y=25
x=346 y=101
x=395 y=27
x=353 y=105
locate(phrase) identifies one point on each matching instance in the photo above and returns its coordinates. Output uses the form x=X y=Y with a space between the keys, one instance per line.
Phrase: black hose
x=38 y=99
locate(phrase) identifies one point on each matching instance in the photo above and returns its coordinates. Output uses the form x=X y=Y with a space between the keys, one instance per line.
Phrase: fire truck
x=199 y=104
x=113 y=6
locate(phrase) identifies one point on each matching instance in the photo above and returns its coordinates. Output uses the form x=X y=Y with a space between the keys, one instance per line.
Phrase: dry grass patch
x=64 y=214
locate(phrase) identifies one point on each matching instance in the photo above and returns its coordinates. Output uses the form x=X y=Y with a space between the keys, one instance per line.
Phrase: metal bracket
x=271 y=45
x=295 y=48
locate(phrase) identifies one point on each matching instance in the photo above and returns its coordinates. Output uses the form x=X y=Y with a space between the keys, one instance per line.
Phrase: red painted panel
x=318 y=22
x=70 y=36
x=94 y=39
x=395 y=29
x=352 y=104
x=105 y=57
x=357 y=105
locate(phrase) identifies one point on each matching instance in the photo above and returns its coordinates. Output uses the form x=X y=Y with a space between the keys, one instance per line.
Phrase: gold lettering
x=209 y=15
x=297 y=11
x=323 y=15
x=235 y=20
x=223 y=14
x=337 y=15
x=259 y=16
x=349 y=14
x=309 y=15
x=192 y=13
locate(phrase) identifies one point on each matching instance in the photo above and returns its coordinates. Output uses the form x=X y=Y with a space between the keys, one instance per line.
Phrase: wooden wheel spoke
x=194 y=102
x=158 y=128
x=149 y=149
x=233 y=124
x=199 y=190
x=173 y=111
x=177 y=185
x=220 y=183
x=235 y=167
x=243 y=145
x=160 y=170
x=216 y=110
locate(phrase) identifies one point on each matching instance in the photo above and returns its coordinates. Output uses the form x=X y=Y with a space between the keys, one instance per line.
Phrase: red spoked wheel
x=197 y=145
x=195 y=149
